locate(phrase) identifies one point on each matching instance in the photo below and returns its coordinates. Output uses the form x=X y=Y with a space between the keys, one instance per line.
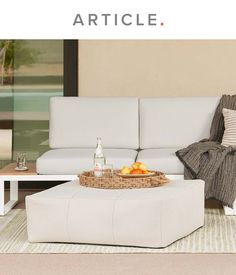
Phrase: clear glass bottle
x=99 y=159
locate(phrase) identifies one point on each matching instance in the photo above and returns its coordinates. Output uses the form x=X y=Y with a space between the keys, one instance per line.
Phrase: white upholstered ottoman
x=150 y=217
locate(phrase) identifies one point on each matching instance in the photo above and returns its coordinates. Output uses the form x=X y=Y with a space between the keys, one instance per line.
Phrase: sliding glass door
x=31 y=71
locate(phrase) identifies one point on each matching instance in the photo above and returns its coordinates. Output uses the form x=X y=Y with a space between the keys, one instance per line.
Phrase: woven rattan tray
x=118 y=182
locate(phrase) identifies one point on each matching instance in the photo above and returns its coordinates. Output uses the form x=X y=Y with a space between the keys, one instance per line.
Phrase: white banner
x=123 y=19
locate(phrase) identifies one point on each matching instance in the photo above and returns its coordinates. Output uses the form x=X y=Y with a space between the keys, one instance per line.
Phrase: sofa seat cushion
x=163 y=160
x=73 y=161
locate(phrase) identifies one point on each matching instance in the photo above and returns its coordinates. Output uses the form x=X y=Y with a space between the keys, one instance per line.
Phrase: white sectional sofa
x=143 y=129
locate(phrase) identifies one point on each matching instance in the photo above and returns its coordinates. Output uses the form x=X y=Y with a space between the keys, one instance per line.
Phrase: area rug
x=217 y=236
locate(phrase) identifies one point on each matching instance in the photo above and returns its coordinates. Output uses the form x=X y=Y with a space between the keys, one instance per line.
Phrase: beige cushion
x=229 y=137
x=71 y=161
x=149 y=217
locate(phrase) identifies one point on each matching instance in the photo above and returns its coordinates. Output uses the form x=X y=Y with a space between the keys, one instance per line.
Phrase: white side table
x=8 y=173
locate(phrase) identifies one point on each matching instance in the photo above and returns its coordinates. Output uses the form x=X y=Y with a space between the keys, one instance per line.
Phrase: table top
x=9 y=170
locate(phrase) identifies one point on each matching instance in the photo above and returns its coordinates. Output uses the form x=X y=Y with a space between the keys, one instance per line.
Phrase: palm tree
x=3 y=51
x=15 y=53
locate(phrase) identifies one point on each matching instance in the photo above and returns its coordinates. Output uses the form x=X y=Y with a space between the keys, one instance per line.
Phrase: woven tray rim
x=117 y=182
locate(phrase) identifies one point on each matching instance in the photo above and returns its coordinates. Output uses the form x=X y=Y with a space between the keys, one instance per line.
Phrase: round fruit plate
x=136 y=175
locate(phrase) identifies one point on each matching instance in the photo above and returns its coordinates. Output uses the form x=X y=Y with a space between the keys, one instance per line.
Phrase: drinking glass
x=107 y=171
x=21 y=161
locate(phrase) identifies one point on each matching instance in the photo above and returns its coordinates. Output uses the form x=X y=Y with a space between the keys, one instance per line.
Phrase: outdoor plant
x=13 y=54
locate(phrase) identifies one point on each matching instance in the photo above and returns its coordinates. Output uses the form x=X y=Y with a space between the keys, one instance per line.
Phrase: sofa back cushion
x=76 y=122
x=175 y=122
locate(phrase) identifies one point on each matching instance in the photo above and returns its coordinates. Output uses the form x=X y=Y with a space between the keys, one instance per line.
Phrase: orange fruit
x=136 y=171
x=135 y=165
x=146 y=172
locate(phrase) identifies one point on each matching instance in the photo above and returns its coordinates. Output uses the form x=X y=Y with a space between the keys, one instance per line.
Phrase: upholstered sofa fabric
x=229 y=137
x=162 y=159
x=76 y=122
x=149 y=217
x=72 y=161
x=161 y=125
x=175 y=121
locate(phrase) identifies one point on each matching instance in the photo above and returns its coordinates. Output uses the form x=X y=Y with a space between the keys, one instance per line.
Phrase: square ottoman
x=149 y=217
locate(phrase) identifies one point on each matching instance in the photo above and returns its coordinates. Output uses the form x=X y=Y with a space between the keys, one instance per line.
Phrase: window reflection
x=31 y=72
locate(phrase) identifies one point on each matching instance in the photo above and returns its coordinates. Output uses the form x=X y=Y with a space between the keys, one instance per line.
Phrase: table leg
x=5 y=208
x=2 y=187
x=14 y=190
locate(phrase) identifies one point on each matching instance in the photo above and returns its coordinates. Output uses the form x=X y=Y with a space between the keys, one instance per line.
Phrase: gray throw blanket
x=210 y=161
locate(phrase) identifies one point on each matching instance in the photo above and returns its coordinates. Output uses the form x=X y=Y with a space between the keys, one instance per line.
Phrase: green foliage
x=17 y=53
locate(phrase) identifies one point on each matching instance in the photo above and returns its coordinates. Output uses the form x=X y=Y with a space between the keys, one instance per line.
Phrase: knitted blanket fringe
x=210 y=161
